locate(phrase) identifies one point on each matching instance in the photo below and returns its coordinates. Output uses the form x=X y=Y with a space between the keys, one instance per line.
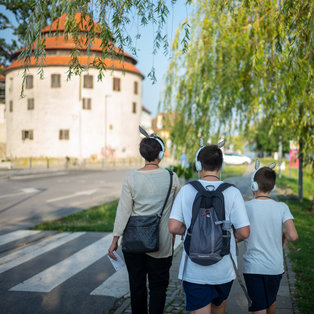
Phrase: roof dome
x=58 y=48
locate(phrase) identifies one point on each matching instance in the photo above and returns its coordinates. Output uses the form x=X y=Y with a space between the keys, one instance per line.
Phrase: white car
x=236 y=159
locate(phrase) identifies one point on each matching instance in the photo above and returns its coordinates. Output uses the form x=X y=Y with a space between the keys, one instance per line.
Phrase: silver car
x=236 y=159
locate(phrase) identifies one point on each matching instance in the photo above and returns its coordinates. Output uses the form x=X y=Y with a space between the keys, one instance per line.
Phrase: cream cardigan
x=144 y=193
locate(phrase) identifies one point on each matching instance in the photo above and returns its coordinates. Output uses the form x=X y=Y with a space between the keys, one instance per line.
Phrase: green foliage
x=267 y=137
x=182 y=172
x=288 y=182
x=97 y=218
x=22 y=11
x=246 y=61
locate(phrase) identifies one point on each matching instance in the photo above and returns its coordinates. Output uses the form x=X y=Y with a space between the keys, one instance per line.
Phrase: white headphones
x=162 y=152
x=254 y=184
x=198 y=164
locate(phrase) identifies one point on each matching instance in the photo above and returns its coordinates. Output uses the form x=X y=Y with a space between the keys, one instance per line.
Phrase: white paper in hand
x=119 y=263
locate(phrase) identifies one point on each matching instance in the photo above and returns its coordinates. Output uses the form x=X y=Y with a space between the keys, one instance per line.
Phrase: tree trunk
x=300 y=173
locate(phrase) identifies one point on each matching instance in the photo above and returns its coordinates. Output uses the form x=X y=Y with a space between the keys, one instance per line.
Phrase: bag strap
x=240 y=280
x=168 y=194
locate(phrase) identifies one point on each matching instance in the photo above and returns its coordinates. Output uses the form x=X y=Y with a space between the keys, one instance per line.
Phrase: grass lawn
x=97 y=218
x=302 y=252
x=233 y=171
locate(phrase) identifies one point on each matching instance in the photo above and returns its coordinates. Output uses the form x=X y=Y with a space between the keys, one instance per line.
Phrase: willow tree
x=246 y=60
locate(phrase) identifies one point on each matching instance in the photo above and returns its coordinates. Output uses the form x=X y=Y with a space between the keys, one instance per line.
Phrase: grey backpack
x=208 y=237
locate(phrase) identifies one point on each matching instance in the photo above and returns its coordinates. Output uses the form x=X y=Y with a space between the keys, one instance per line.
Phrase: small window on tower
x=88 y=81
x=134 y=107
x=27 y=134
x=64 y=134
x=30 y=104
x=29 y=82
x=55 y=80
x=87 y=103
x=135 y=88
x=11 y=106
x=116 y=84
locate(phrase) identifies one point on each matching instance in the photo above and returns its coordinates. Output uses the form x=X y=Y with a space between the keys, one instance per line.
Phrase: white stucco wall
x=2 y=124
x=61 y=108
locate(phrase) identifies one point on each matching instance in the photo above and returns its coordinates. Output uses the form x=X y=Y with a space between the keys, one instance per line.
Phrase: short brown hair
x=150 y=148
x=266 y=179
x=211 y=158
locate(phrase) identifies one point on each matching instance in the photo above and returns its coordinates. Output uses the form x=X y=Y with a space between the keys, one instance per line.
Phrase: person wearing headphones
x=207 y=288
x=271 y=223
x=143 y=193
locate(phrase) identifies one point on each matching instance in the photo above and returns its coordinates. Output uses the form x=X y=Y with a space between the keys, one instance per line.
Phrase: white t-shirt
x=263 y=248
x=222 y=271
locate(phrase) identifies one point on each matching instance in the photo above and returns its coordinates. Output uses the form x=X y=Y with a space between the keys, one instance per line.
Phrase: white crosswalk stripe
x=53 y=276
x=17 y=258
x=16 y=235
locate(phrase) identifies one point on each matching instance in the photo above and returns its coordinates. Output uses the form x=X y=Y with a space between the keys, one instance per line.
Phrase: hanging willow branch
x=112 y=18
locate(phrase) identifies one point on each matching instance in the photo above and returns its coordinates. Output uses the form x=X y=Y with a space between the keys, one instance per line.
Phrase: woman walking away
x=146 y=193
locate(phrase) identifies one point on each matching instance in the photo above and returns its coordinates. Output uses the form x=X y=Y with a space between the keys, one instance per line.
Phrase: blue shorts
x=262 y=290
x=198 y=296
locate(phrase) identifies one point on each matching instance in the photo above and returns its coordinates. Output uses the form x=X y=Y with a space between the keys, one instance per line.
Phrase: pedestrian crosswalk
x=85 y=250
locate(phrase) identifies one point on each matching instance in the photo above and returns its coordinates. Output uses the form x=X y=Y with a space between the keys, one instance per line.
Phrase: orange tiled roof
x=61 y=43
x=59 y=24
x=84 y=60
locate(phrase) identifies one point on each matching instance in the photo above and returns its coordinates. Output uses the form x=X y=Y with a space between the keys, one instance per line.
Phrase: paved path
x=237 y=303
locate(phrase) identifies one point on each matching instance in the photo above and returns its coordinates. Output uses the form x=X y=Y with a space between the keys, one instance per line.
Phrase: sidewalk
x=237 y=302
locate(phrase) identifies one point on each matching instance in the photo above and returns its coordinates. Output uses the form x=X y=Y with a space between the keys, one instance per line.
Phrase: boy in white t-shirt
x=271 y=223
x=207 y=287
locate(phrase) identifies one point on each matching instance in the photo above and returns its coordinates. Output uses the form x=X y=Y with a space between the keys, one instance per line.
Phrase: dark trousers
x=157 y=269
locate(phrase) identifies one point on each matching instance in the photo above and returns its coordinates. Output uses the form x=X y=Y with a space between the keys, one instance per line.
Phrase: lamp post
x=105 y=127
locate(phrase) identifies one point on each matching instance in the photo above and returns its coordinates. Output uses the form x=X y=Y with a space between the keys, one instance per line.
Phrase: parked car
x=236 y=159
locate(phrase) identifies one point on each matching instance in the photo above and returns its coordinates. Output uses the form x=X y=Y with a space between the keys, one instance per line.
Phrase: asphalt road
x=28 y=199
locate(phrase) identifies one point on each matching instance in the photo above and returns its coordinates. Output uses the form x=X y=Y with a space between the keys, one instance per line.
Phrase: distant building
x=160 y=126
x=146 y=120
x=82 y=117
x=2 y=118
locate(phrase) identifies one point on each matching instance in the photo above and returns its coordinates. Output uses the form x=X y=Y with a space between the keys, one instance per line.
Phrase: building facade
x=81 y=117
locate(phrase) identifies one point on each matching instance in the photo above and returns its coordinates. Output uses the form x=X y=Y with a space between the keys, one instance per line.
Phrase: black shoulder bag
x=141 y=234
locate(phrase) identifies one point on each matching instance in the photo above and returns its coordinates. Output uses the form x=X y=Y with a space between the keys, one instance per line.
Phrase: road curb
x=291 y=281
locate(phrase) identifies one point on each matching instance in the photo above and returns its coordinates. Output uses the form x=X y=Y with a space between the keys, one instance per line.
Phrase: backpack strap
x=198 y=186
x=223 y=186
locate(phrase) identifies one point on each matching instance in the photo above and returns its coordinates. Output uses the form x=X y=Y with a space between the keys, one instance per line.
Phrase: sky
x=151 y=92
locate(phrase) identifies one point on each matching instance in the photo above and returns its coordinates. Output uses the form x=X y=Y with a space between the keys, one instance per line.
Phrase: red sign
x=294 y=158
